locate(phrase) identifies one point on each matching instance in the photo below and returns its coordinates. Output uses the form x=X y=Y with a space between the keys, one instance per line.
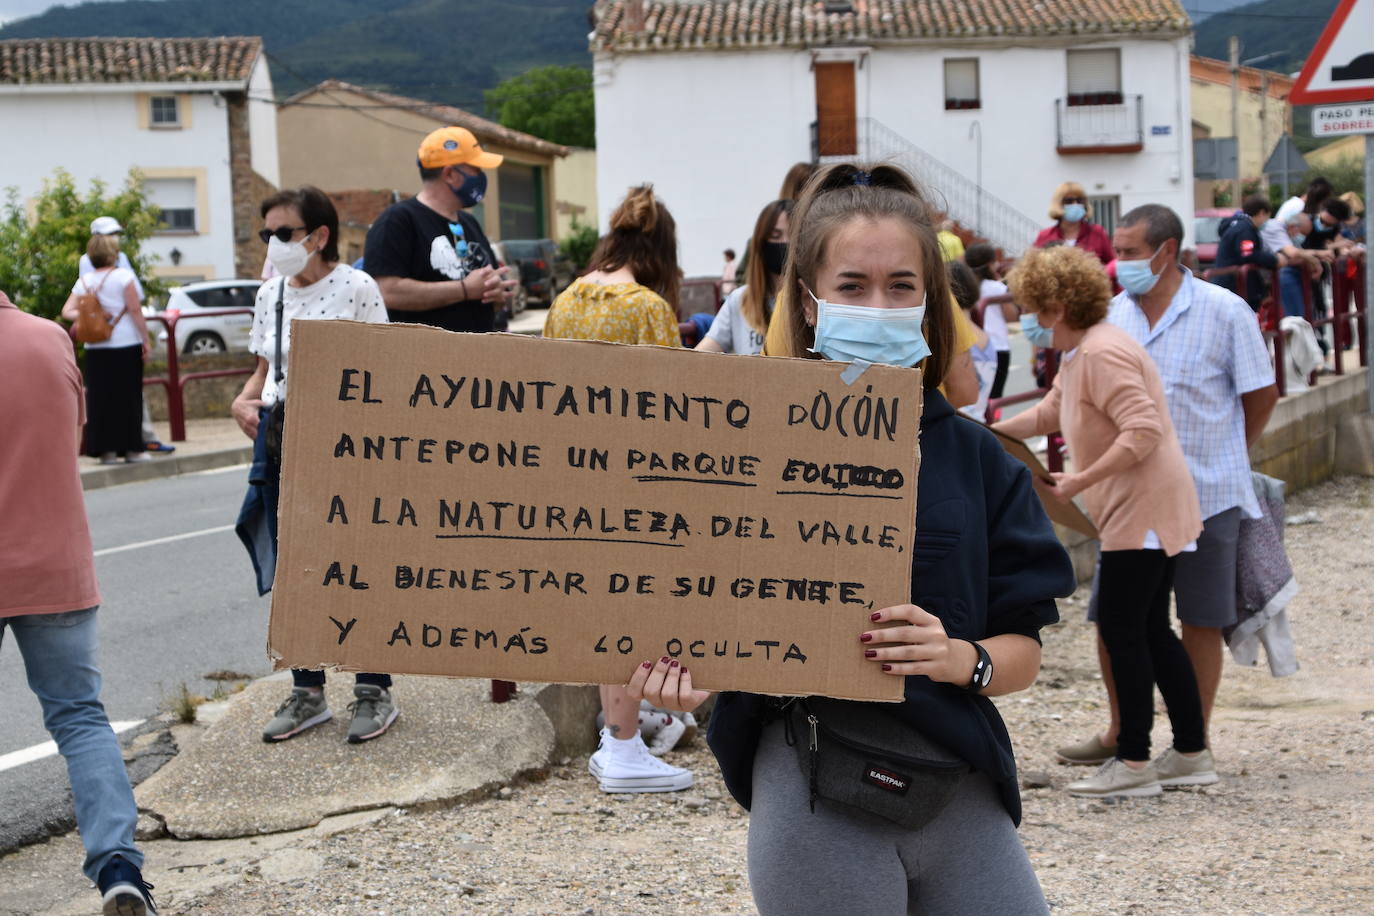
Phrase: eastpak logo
x=886 y=779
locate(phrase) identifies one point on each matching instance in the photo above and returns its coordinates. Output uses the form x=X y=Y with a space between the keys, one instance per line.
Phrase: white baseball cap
x=105 y=225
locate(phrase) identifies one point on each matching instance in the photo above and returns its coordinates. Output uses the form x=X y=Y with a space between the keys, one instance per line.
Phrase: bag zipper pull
x=811 y=719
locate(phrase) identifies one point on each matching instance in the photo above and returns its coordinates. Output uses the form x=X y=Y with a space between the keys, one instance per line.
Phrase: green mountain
x=1286 y=28
x=437 y=50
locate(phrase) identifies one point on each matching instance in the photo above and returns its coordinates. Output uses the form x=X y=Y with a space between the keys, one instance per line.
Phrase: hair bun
x=638 y=212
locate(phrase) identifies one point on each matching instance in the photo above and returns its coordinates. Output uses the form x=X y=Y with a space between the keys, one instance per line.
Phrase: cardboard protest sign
x=543 y=510
x=1068 y=515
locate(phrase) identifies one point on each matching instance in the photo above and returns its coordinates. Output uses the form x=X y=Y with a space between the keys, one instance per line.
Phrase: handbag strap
x=277 y=373
x=96 y=293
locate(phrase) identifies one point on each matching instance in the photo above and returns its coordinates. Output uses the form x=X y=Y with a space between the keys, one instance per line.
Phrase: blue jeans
x=59 y=658
x=1291 y=280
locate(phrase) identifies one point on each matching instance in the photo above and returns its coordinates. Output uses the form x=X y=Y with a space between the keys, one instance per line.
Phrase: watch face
x=985 y=676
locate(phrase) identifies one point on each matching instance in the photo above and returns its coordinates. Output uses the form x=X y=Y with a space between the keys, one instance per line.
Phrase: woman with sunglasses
x=301 y=229
x=1072 y=215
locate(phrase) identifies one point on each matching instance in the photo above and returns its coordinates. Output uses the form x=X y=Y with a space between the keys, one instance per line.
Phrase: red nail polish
x=647 y=665
x=887 y=667
x=865 y=637
x=673 y=663
x=871 y=653
x=664 y=660
x=684 y=669
x=876 y=616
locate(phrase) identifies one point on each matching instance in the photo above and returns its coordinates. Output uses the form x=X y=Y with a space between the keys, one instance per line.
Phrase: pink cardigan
x=1110 y=392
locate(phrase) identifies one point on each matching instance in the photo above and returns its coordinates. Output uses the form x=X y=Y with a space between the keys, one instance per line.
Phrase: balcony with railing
x=1099 y=123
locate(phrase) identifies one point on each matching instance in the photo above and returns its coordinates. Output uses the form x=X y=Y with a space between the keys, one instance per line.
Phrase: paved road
x=173 y=612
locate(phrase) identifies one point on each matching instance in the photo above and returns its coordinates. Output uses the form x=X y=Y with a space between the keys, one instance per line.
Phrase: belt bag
x=857 y=756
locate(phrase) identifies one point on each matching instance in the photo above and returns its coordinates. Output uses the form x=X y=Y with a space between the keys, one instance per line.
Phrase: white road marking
x=48 y=748
x=167 y=540
x=223 y=470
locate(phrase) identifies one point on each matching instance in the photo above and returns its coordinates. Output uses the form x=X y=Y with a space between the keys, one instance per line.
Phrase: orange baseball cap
x=455 y=146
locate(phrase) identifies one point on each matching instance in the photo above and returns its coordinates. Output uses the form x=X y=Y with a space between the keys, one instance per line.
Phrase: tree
x=41 y=254
x=554 y=103
x=579 y=246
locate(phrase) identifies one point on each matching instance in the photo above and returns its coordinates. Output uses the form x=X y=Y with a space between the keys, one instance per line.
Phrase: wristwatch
x=982 y=670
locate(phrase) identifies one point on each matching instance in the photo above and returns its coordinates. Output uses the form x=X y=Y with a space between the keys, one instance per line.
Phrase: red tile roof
x=128 y=60
x=485 y=131
x=653 y=25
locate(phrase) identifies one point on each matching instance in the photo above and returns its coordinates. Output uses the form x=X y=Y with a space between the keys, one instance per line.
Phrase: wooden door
x=836 y=126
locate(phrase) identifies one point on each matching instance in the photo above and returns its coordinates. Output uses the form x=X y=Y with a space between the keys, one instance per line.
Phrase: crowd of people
x=1164 y=381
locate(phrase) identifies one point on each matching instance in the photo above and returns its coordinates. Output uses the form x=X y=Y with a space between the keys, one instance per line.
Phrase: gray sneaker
x=1086 y=753
x=1116 y=780
x=305 y=708
x=373 y=713
x=1177 y=770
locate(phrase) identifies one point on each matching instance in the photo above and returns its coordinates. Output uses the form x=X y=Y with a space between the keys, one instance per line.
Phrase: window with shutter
x=1095 y=77
x=961 y=83
x=176 y=201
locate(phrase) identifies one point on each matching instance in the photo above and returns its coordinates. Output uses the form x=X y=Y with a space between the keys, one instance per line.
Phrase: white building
x=990 y=104
x=195 y=115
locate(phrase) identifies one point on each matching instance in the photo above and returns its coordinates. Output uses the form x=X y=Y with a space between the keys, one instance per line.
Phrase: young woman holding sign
x=628 y=297
x=907 y=807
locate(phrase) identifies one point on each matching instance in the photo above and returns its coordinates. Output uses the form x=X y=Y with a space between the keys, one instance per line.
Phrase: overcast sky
x=17 y=9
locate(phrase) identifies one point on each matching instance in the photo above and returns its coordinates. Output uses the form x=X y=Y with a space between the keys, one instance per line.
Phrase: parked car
x=544 y=270
x=1205 y=234
x=521 y=299
x=211 y=333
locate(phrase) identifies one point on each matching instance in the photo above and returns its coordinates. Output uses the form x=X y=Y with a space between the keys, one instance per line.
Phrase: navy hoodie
x=986 y=562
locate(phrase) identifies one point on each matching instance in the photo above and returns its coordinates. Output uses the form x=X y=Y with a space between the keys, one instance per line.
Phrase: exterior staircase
x=963 y=200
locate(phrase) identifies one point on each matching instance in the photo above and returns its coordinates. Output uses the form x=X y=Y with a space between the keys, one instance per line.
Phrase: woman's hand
x=919 y=647
x=245 y=412
x=1067 y=486
x=667 y=685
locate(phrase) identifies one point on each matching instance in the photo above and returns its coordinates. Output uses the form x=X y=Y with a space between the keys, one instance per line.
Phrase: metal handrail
x=174 y=382
x=964 y=200
x=1347 y=305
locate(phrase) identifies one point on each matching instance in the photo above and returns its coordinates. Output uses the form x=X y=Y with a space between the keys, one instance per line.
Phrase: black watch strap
x=982 y=670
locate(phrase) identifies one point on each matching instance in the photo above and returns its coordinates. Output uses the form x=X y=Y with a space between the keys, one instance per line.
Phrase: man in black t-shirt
x=431 y=260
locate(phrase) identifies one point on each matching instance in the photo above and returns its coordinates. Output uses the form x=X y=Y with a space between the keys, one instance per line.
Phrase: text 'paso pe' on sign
x=543 y=510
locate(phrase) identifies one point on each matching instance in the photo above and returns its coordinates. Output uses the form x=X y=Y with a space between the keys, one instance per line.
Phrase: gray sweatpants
x=968 y=860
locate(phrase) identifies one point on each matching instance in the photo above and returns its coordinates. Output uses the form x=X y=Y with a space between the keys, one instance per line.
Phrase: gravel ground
x=1290 y=828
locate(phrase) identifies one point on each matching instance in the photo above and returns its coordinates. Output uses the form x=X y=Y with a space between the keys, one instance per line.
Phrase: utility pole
x=1235 y=115
x=1263 y=126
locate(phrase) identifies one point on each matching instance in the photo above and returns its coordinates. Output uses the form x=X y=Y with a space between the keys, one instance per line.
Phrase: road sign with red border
x=1341 y=66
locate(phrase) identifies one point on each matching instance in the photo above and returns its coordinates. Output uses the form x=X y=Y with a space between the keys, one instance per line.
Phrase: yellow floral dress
x=625 y=313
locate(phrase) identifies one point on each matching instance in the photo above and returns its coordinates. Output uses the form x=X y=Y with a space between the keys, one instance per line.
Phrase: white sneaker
x=110 y=458
x=597 y=762
x=137 y=457
x=1116 y=780
x=1176 y=770
x=629 y=767
x=667 y=737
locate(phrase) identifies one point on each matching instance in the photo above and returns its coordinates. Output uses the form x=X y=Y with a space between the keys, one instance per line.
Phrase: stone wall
x=249 y=190
x=1299 y=444
x=203 y=398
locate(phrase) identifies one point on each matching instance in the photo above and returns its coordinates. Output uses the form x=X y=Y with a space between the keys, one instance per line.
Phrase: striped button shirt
x=1209 y=351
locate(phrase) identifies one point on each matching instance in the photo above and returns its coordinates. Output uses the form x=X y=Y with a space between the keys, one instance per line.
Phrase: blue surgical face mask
x=471 y=191
x=1136 y=277
x=1036 y=334
x=1074 y=213
x=862 y=335
x=1299 y=239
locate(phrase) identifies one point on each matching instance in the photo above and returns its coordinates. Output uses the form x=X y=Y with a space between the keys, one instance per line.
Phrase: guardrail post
x=176 y=405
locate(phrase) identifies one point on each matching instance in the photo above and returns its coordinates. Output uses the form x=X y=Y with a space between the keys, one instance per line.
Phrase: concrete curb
x=98 y=478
